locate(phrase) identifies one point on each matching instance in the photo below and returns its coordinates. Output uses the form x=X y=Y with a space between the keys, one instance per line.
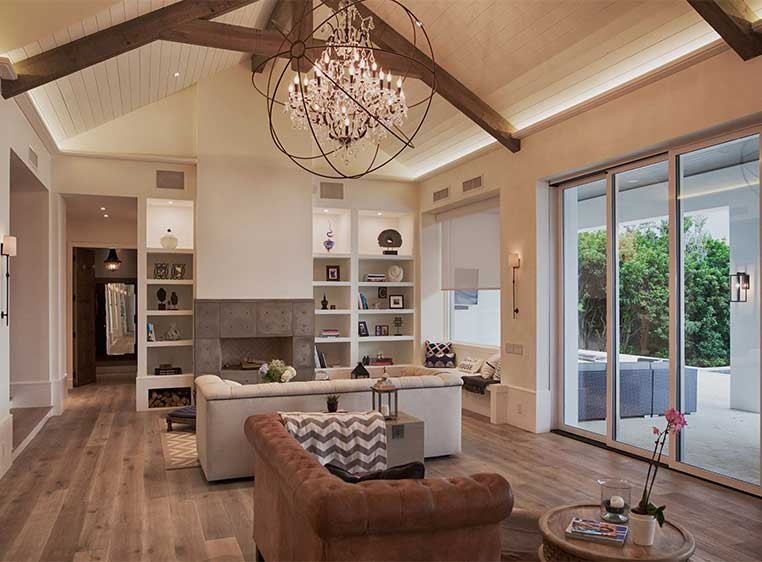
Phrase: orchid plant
x=675 y=422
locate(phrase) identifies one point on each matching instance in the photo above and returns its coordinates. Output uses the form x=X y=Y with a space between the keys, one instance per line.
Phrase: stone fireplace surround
x=228 y=330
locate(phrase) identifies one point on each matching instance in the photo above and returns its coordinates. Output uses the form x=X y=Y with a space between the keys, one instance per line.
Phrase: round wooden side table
x=672 y=544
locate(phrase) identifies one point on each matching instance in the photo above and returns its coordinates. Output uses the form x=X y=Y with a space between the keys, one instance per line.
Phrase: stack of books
x=375 y=277
x=329 y=333
x=362 y=302
x=596 y=531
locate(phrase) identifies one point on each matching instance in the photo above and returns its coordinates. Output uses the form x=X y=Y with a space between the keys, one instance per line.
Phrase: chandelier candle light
x=347 y=101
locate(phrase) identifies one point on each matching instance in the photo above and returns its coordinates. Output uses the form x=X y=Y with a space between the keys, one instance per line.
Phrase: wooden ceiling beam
x=111 y=42
x=735 y=23
x=447 y=86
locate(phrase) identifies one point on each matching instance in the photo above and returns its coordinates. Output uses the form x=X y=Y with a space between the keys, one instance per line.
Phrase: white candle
x=616 y=502
x=384 y=410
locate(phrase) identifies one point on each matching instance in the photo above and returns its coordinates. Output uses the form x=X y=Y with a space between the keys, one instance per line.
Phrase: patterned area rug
x=521 y=536
x=179 y=449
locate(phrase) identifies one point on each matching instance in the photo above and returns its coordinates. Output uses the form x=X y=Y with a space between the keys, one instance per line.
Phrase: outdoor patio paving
x=717 y=438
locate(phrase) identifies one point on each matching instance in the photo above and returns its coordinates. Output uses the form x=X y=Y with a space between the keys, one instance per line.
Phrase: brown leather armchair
x=302 y=512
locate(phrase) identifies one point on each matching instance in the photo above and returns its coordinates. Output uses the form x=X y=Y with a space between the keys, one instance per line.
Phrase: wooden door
x=84 y=316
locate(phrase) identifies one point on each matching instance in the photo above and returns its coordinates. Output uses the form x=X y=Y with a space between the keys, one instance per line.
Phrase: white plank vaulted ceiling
x=528 y=59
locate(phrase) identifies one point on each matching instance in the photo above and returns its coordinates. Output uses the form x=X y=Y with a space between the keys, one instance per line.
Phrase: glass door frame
x=676 y=316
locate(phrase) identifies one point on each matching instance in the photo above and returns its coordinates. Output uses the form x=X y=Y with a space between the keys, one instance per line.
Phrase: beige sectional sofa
x=223 y=408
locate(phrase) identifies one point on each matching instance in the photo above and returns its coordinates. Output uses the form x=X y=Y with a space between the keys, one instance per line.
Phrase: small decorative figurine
x=161 y=294
x=173 y=334
x=328 y=243
x=398 y=325
x=324 y=303
x=390 y=240
x=173 y=301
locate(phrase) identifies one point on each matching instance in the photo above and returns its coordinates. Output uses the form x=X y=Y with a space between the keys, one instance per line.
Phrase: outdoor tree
x=644 y=292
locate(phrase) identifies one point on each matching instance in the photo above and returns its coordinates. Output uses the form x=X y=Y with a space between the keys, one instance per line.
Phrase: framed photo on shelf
x=396 y=302
x=332 y=273
x=178 y=271
x=378 y=330
x=384 y=329
x=363 y=329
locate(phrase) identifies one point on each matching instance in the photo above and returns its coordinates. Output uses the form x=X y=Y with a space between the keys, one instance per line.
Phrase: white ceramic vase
x=169 y=240
x=642 y=529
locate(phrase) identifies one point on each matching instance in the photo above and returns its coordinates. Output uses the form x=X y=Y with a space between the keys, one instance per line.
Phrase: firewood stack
x=169 y=398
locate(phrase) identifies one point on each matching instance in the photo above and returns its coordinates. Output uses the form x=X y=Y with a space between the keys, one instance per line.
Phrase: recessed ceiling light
x=103 y=208
x=177 y=75
x=170 y=202
x=379 y=213
x=325 y=210
x=105 y=215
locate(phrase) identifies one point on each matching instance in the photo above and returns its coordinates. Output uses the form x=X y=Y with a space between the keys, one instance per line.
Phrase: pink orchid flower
x=656 y=430
x=675 y=419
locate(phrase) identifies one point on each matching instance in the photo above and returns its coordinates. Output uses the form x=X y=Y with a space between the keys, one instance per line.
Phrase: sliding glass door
x=718 y=193
x=585 y=253
x=660 y=306
x=642 y=301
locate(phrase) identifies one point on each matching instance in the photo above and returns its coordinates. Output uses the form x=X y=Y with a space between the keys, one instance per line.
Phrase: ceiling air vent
x=33 y=159
x=168 y=179
x=331 y=190
x=441 y=194
x=473 y=183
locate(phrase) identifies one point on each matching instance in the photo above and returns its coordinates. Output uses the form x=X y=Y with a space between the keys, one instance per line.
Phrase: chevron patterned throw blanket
x=355 y=441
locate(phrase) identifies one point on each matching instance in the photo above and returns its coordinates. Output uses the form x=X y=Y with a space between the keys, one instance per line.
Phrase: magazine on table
x=596 y=531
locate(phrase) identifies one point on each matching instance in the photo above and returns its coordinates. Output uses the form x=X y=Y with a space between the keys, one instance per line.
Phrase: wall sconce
x=112 y=261
x=514 y=261
x=7 y=249
x=739 y=286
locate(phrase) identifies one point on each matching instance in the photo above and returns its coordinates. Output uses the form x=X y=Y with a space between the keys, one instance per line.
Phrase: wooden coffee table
x=672 y=543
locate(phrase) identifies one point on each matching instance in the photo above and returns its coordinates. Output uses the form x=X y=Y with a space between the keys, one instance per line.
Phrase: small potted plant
x=646 y=515
x=332 y=402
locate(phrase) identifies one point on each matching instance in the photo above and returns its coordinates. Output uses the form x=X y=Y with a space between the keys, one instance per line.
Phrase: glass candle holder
x=615 y=500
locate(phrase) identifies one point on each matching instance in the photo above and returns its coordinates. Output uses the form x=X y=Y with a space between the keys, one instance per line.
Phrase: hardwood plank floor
x=92 y=486
x=24 y=422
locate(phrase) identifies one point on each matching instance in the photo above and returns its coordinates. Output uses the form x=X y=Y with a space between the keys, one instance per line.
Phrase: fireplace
x=169 y=397
x=230 y=332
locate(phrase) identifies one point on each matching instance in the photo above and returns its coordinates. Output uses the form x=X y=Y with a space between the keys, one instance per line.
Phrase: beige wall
x=707 y=95
x=30 y=295
x=16 y=134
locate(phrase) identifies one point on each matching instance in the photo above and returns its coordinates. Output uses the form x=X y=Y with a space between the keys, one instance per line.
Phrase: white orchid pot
x=642 y=529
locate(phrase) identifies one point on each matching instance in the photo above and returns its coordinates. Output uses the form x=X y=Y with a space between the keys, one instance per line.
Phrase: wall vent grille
x=441 y=194
x=473 y=183
x=33 y=158
x=169 y=179
x=331 y=190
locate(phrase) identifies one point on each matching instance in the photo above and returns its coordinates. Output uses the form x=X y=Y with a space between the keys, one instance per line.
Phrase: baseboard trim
x=6 y=443
x=31 y=394
x=29 y=438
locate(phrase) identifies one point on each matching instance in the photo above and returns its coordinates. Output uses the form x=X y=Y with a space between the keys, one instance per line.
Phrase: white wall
x=15 y=133
x=254 y=208
x=661 y=112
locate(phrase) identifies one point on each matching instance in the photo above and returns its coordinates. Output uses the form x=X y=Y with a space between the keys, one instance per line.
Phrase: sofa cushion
x=477 y=383
x=470 y=366
x=409 y=471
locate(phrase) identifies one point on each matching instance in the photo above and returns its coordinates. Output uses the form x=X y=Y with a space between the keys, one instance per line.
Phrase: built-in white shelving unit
x=356 y=254
x=171 y=269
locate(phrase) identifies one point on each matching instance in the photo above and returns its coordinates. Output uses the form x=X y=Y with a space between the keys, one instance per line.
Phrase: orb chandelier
x=354 y=107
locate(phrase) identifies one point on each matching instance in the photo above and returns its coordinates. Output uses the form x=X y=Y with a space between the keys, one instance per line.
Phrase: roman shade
x=471 y=247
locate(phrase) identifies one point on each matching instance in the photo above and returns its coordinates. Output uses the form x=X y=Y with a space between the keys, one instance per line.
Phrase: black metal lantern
x=385 y=398
x=360 y=372
x=739 y=286
x=112 y=261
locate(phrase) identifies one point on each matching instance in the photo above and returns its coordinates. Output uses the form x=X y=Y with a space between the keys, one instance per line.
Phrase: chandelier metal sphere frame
x=347 y=101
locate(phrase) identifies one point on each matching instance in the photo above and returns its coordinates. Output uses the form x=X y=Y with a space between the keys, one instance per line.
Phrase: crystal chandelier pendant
x=348 y=101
